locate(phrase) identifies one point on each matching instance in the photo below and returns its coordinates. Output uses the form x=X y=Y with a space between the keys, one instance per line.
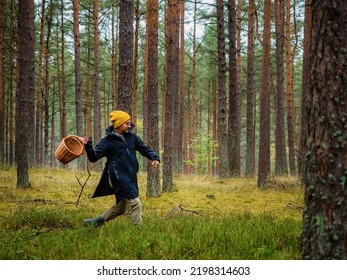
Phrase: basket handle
x=75 y=137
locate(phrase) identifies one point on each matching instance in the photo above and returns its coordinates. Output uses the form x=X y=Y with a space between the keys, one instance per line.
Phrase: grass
x=204 y=218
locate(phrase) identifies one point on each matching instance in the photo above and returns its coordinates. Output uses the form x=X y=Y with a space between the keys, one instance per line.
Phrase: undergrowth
x=204 y=218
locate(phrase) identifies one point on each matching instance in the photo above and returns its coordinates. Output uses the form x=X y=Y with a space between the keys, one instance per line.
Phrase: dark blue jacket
x=119 y=176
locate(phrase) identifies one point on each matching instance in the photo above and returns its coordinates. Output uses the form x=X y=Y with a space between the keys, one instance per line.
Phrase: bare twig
x=294 y=207
x=82 y=185
x=42 y=200
x=178 y=210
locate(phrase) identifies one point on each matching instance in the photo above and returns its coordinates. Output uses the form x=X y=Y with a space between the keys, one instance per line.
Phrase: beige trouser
x=119 y=209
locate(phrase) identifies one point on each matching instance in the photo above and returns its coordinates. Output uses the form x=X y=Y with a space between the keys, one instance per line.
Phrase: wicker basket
x=69 y=149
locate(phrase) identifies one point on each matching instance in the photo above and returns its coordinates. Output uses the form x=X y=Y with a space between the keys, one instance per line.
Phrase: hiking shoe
x=95 y=222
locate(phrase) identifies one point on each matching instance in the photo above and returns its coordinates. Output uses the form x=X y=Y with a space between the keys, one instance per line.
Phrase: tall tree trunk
x=264 y=134
x=192 y=105
x=222 y=107
x=136 y=58
x=281 y=167
x=172 y=80
x=180 y=142
x=305 y=78
x=153 y=182
x=324 y=233
x=177 y=149
x=234 y=129
x=289 y=93
x=47 y=82
x=78 y=78
x=26 y=90
x=2 y=85
x=126 y=61
x=215 y=168
x=62 y=91
x=250 y=146
x=11 y=87
x=145 y=97
x=38 y=118
x=114 y=81
x=88 y=89
x=52 y=136
x=97 y=111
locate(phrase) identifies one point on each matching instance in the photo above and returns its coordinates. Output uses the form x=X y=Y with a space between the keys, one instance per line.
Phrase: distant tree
x=62 y=85
x=39 y=89
x=153 y=181
x=114 y=59
x=192 y=97
x=78 y=78
x=88 y=72
x=264 y=135
x=234 y=130
x=126 y=61
x=280 y=141
x=182 y=115
x=290 y=91
x=324 y=233
x=172 y=80
x=222 y=106
x=250 y=145
x=304 y=88
x=47 y=81
x=96 y=79
x=25 y=91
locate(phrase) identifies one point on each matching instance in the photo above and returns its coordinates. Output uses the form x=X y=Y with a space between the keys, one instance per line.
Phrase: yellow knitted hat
x=118 y=118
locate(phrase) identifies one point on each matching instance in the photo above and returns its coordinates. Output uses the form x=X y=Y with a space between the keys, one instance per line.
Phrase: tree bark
x=264 y=133
x=222 y=107
x=172 y=80
x=78 y=78
x=153 y=182
x=38 y=119
x=46 y=123
x=281 y=167
x=2 y=85
x=96 y=91
x=126 y=61
x=181 y=142
x=114 y=81
x=26 y=90
x=11 y=149
x=324 y=233
x=234 y=129
x=136 y=59
x=250 y=145
x=289 y=93
x=305 y=78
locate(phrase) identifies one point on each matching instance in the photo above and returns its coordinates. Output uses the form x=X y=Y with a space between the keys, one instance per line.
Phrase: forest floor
x=203 y=218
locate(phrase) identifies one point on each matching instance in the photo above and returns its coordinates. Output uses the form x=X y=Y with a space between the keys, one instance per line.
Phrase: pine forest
x=218 y=88
x=216 y=94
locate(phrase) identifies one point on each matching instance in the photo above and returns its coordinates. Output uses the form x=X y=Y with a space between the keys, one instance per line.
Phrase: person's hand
x=83 y=140
x=155 y=163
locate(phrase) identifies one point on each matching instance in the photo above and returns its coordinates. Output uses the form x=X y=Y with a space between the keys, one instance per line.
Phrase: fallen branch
x=82 y=185
x=37 y=230
x=179 y=210
x=42 y=200
x=294 y=207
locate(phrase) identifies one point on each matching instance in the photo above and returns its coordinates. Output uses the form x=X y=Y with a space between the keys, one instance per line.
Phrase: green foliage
x=205 y=218
x=203 y=146
x=53 y=235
